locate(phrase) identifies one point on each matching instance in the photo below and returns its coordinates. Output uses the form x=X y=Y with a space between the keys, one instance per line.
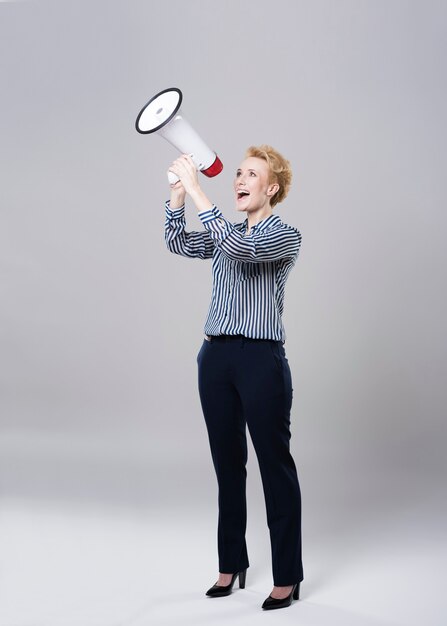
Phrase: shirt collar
x=267 y=222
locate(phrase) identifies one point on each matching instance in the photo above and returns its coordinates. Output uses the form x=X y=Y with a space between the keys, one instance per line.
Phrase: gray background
x=100 y=325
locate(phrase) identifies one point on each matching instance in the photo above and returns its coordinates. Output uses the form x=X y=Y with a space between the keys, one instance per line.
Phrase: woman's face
x=251 y=185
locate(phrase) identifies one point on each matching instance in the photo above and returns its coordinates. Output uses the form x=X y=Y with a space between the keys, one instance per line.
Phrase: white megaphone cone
x=162 y=115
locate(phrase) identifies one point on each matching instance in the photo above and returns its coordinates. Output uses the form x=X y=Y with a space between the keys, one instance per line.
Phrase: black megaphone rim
x=154 y=130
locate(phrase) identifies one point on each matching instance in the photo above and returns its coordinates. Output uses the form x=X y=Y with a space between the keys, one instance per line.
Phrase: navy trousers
x=248 y=382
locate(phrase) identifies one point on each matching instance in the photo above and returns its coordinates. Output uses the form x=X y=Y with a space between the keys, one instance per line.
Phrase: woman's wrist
x=177 y=200
x=200 y=199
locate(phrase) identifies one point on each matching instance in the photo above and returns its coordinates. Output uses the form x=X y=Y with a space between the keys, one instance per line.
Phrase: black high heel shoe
x=224 y=590
x=274 y=603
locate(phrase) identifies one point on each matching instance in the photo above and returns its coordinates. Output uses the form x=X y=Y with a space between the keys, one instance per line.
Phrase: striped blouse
x=249 y=271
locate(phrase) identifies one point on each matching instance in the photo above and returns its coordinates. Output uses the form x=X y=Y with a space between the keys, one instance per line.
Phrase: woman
x=244 y=375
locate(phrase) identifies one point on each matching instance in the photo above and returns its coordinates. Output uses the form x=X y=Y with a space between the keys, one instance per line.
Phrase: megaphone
x=162 y=115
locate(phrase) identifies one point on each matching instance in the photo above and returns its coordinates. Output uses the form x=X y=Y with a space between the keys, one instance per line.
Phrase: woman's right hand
x=178 y=195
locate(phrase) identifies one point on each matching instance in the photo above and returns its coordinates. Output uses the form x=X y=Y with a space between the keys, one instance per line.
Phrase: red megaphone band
x=214 y=169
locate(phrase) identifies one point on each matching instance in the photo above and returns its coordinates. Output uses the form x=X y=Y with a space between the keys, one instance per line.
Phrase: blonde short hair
x=280 y=170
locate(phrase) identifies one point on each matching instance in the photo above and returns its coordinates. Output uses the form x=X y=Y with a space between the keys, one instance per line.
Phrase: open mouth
x=242 y=194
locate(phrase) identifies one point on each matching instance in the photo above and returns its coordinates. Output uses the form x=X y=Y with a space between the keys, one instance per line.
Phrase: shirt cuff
x=174 y=213
x=214 y=221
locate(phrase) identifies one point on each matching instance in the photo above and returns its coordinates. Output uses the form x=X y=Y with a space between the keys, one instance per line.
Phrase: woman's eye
x=252 y=174
x=238 y=174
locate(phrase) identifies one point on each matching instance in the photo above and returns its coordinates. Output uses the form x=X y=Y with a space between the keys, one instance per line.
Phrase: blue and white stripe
x=249 y=271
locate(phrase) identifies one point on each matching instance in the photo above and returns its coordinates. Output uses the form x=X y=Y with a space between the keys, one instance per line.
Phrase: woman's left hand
x=186 y=170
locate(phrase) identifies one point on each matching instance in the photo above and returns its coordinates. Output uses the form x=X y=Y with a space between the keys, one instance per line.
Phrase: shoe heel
x=296 y=592
x=242 y=576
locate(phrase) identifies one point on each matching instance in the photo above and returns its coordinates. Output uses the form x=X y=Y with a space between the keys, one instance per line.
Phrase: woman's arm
x=194 y=244
x=266 y=245
x=185 y=169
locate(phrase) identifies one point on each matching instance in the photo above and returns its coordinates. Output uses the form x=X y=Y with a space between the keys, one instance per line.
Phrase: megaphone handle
x=173 y=178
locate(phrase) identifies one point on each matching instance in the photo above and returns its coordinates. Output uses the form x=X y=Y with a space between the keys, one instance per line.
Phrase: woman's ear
x=272 y=189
